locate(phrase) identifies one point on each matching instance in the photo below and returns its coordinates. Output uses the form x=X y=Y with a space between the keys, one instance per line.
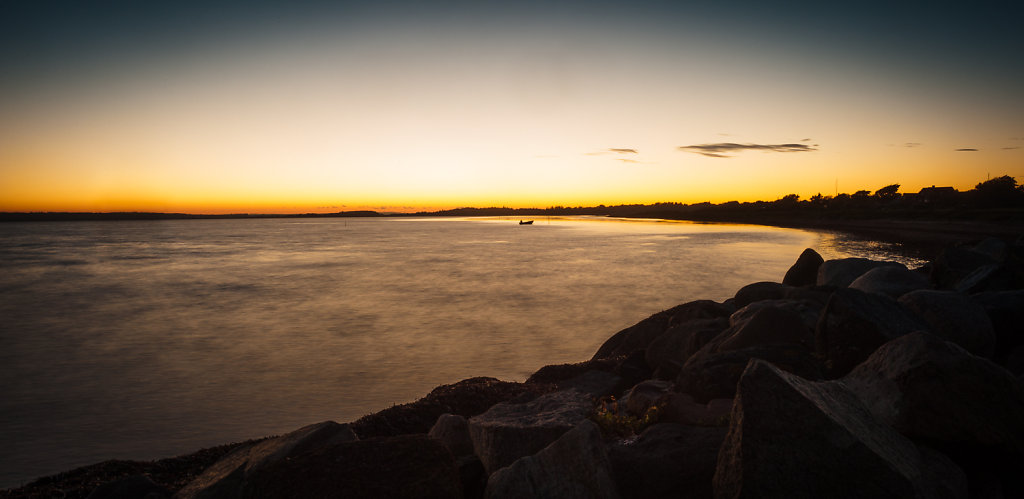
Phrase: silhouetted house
x=937 y=195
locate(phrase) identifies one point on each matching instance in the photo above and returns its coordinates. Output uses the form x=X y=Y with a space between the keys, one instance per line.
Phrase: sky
x=274 y=107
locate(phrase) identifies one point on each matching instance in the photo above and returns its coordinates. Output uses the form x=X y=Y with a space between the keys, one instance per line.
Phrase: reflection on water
x=148 y=339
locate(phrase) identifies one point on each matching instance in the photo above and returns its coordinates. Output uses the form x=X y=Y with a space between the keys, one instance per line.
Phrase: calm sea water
x=141 y=340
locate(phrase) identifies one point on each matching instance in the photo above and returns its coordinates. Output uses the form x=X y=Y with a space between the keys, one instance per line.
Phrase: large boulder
x=509 y=431
x=1006 y=311
x=667 y=460
x=710 y=375
x=808 y=310
x=769 y=325
x=452 y=431
x=400 y=466
x=805 y=271
x=758 y=291
x=854 y=323
x=955 y=263
x=573 y=466
x=794 y=438
x=668 y=352
x=891 y=281
x=233 y=475
x=935 y=391
x=640 y=335
x=954 y=317
x=681 y=408
x=842 y=272
x=641 y=397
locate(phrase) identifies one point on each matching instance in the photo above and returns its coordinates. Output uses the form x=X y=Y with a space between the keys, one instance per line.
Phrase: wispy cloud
x=627 y=160
x=613 y=150
x=1009 y=148
x=721 y=149
x=623 y=150
x=966 y=149
x=911 y=144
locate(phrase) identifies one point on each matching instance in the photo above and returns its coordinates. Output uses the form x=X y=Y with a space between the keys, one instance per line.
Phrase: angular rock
x=842 y=272
x=808 y=310
x=933 y=390
x=667 y=460
x=644 y=395
x=232 y=476
x=509 y=431
x=639 y=335
x=668 y=352
x=954 y=317
x=854 y=324
x=759 y=291
x=955 y=263
x=400 y=466
x=767 y=326
x=805 y=271
x=680 y=408
x=890 y=281
x=794 y=438
x=574 y=466
x=452 y=430
x=709 y=375
x=1006 y=311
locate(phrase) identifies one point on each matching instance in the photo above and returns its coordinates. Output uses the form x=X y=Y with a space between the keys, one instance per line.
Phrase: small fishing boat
x=526 y=222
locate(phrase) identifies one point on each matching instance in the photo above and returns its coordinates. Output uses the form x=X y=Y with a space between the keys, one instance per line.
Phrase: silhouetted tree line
x=993 y=197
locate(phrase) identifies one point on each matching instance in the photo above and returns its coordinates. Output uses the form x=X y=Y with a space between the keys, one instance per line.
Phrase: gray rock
x=668 y=352
x=709 y=375
x=759 y=291
x=232 y=475
x=794 y=438
x=574 y=466
x=767 y=326
x=682 y=409
x=954 y=317
x=955 y=263
x=842 y=272
x=508 y=431
x=994 y=248
x=933 y=390
x=667 y=460
x=854 y=324
x=644 y=395
x=594 y=383
x=452 y=430
x=808 y=310
x=805 y=271
x=890 y=281
x=640 y=335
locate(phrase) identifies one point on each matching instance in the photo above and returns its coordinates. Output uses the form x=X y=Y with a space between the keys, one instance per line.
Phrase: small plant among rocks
x=614 y=421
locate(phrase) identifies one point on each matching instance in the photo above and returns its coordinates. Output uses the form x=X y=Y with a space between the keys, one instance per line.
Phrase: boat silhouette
x=527 y=222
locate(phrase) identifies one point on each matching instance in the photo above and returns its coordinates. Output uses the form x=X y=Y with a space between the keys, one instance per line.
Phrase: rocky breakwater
x=850 y=378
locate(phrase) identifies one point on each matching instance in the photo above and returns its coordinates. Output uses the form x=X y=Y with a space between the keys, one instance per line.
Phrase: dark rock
x=842 y=272
x=955 y=263
x=994 y=248
x=633 y=369
x=809 y=311
x=667 y=460
x=794 y=438
x=854 y=324
x=668 y=352
x=472 y=475
x=639 y=335
x=594 y=383
x=559 y=373
x=452 y=430
x=573 y=466
x=984 y=278
x=508 y=431
x=767 y=326
x=805 y=271
x=890 y=281
x=644 y=395
x=466 y=398
x=933 y=390
x=758 y=291
x=954 y=317
x=400 y=466
x=709 y=375
x=1006 y=311
x=681 y=408
x=1014 y=361
x=130 y=487
x=232 y=476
